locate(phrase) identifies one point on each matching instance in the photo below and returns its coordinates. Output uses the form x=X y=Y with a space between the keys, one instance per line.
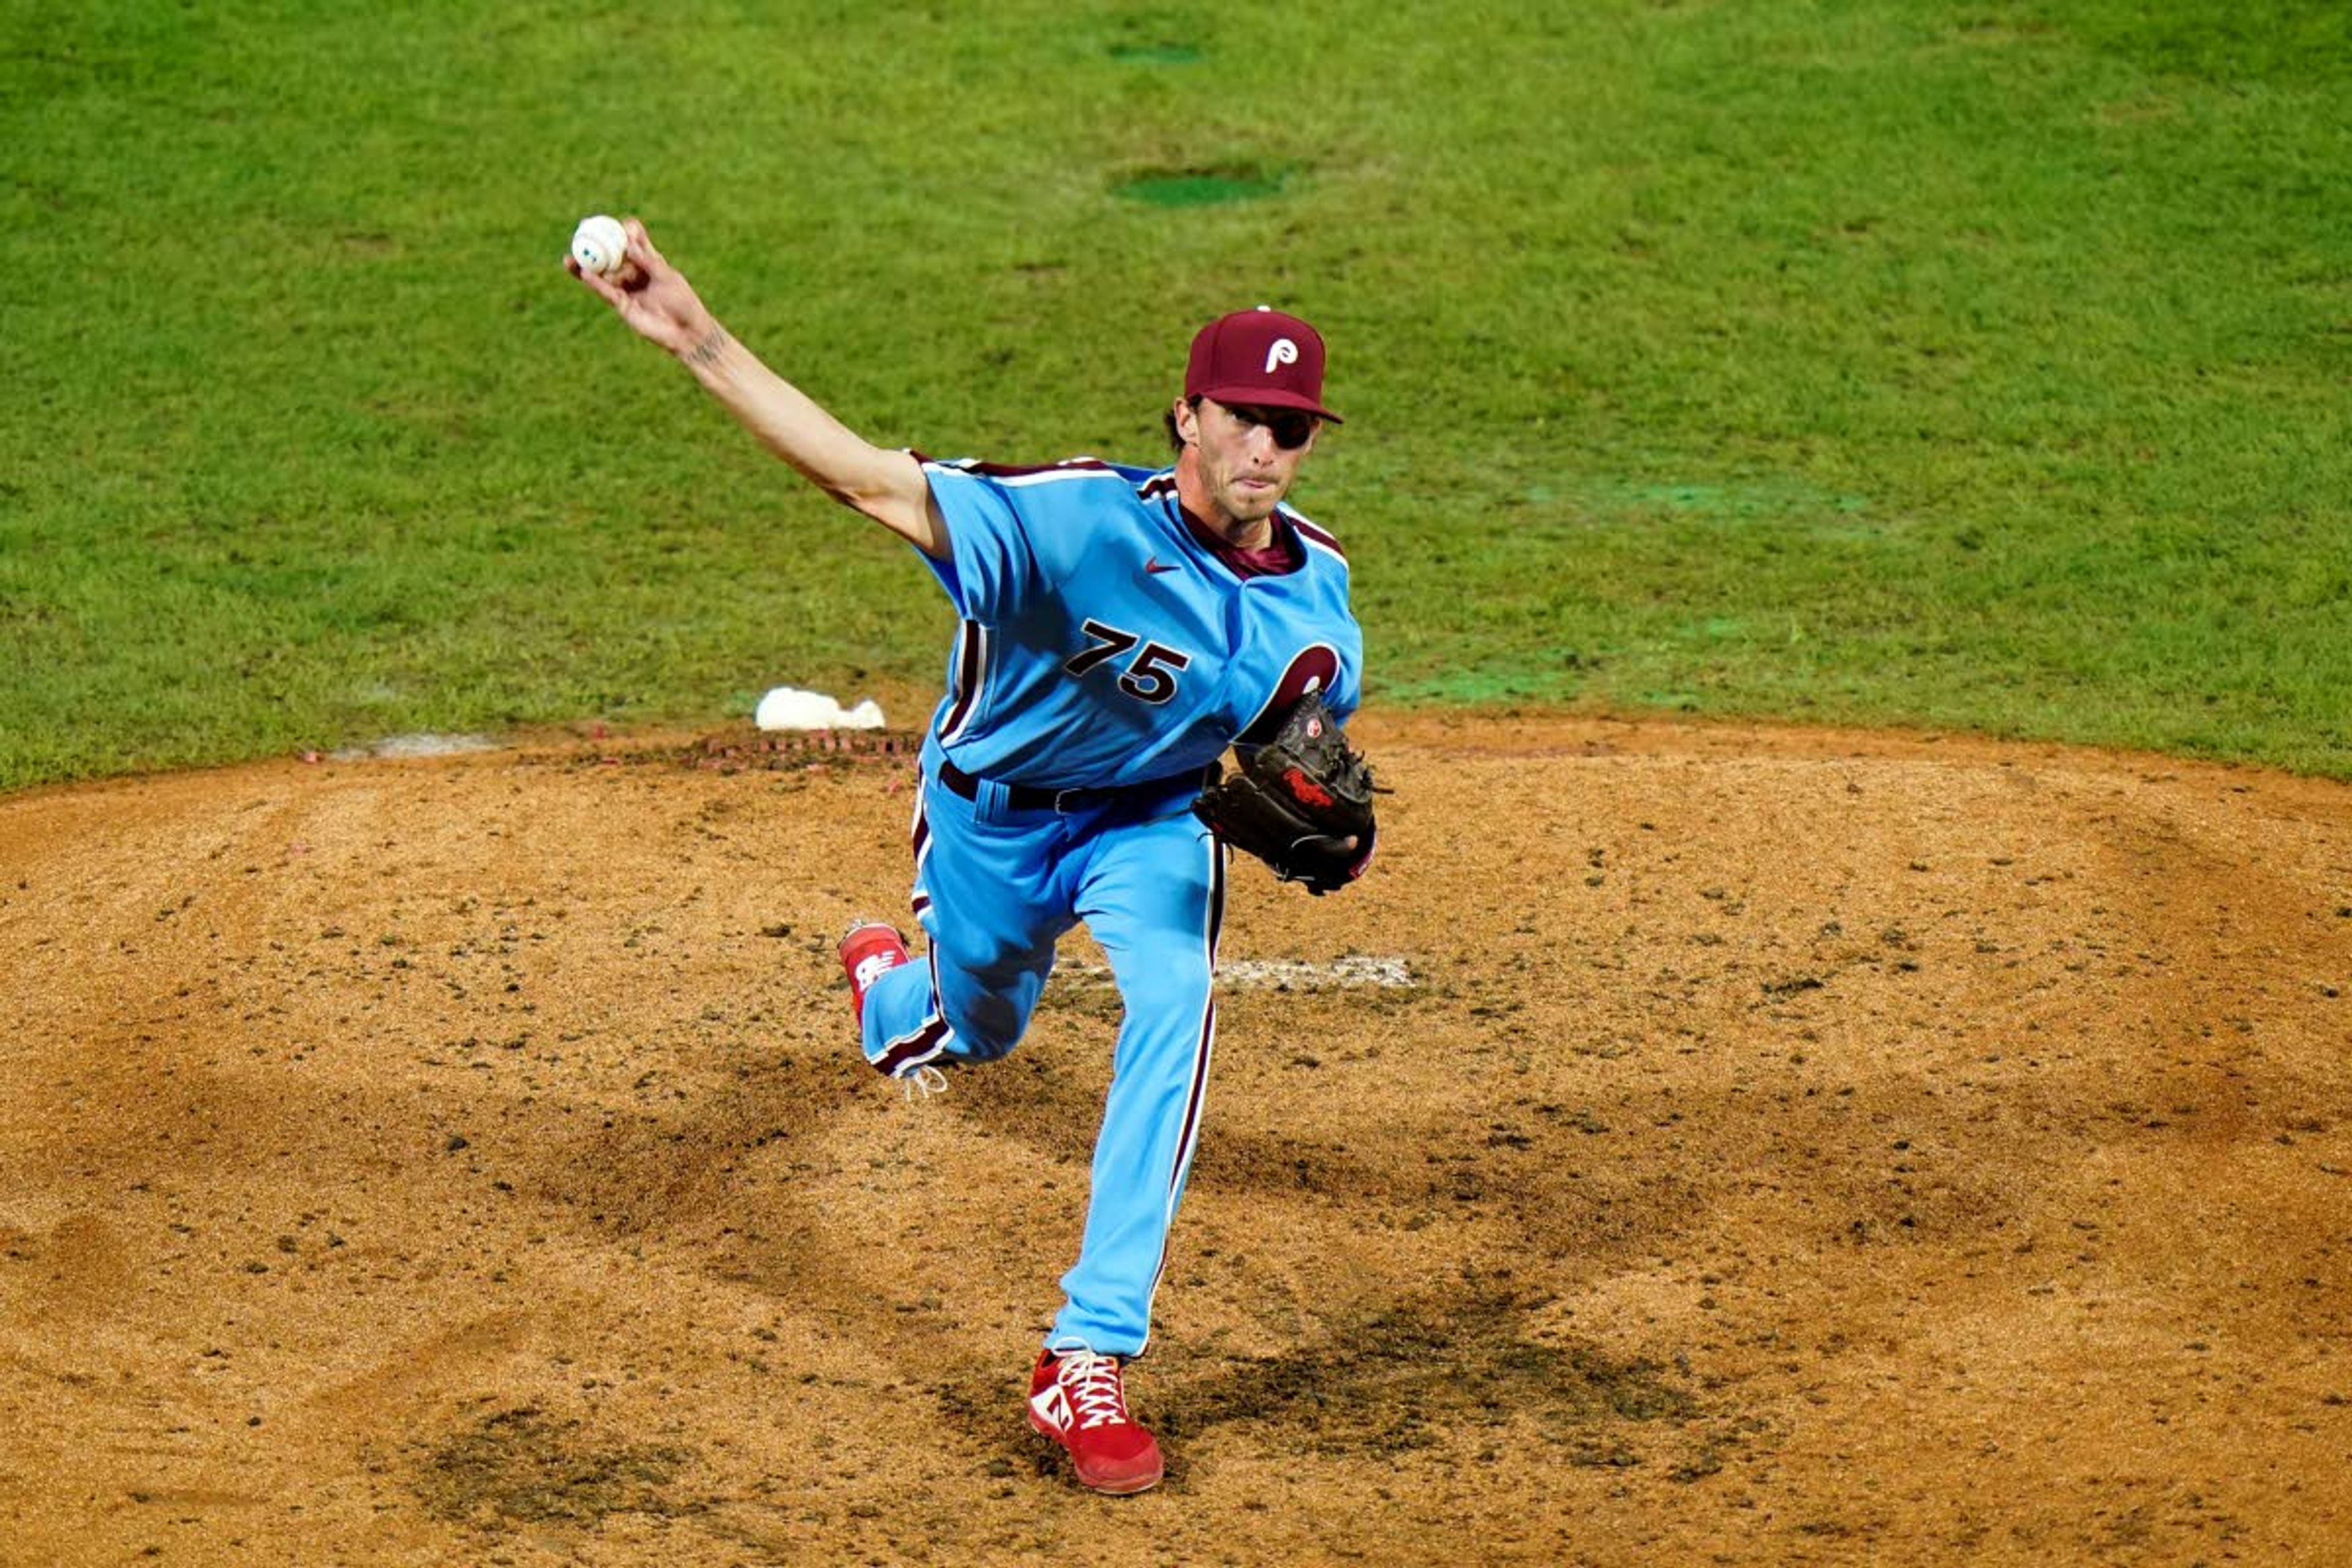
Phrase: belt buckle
x=1062 y=806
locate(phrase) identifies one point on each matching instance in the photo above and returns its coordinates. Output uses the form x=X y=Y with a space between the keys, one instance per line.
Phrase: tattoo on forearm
x=702 y=353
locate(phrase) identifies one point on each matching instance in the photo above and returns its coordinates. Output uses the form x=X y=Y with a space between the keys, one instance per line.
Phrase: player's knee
x=987 y=1026
x=986 y=994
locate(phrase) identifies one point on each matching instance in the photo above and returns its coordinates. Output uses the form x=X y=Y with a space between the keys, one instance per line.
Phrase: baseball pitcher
x=1120 y=629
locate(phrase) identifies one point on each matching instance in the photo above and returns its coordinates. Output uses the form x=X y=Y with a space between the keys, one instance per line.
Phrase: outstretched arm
x=655 y=299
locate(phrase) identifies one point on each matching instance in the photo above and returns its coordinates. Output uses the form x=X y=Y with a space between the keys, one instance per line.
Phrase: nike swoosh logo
x=1153 y=566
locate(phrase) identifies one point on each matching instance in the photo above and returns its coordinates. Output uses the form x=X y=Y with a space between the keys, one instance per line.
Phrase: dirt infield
x=1728 y=1145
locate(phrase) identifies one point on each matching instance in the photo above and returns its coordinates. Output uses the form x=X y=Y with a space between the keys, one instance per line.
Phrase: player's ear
x=1184 y=420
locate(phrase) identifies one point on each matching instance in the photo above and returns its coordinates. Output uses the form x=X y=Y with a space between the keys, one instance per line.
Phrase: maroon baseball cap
x=1260 y=357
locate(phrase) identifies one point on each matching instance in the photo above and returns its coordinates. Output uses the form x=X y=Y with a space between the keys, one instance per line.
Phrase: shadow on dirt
x=1448 y=1382
x=1409 y=1376
x=525 y=1466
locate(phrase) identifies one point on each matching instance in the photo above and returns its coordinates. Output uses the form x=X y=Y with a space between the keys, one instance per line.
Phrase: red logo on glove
x=1304 y=789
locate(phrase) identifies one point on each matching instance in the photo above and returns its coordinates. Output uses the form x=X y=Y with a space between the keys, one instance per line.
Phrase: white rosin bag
x=790 y=708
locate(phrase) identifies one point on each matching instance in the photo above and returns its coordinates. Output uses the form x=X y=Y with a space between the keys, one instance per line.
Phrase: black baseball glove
x=1302 y=802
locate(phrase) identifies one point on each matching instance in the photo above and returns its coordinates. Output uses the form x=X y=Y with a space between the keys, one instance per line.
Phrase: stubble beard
x=1248 y=506
x=1226 y=505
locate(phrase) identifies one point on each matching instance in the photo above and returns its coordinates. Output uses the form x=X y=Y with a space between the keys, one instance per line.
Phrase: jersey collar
x=1281 y=556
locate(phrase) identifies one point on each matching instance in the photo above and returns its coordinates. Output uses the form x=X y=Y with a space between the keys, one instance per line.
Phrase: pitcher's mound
x=1687 y=1144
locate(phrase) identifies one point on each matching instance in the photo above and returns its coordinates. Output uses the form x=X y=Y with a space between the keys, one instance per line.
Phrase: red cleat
x=868 y=951
x=1075 y=1399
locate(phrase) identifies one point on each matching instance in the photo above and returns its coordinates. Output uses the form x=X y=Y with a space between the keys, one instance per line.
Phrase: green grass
x=1897 y=361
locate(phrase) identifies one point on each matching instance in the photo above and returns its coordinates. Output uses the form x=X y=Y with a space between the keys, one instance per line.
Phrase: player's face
x=1245 y=456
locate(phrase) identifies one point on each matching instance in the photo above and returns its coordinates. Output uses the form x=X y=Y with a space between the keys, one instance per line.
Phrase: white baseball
x=600 y=245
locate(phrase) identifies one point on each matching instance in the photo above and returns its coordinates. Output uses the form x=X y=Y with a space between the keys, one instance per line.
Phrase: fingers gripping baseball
x=648 y=294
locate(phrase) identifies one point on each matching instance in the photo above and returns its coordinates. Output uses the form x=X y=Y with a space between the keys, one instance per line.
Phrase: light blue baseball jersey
x=1103 y=644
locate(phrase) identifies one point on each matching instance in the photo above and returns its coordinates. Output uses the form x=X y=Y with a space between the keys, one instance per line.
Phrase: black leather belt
x=1029 y=797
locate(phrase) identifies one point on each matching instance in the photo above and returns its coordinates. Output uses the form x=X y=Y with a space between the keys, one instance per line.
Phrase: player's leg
x=1153 y=895
x=989 y=899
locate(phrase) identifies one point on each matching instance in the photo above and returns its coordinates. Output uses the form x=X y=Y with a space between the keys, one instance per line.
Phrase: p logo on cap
x=1284 y=352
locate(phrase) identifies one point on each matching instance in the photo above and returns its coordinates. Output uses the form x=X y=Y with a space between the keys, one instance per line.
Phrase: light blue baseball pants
x=995 y=887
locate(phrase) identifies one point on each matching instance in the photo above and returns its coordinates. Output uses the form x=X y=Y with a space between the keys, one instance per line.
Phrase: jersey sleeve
x=1346 y=693
x=992 y=565
x=1333 y=622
